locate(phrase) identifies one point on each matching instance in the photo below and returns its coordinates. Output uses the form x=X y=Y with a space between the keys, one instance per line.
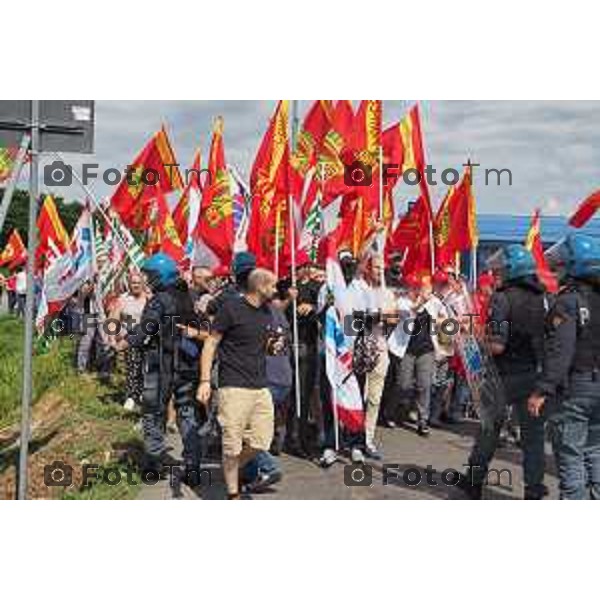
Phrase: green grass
x=89 y=427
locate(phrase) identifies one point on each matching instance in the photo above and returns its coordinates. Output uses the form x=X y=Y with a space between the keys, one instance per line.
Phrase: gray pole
x=29 y=305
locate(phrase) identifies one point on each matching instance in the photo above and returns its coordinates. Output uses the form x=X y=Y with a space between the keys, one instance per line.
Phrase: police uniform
x=170 y=370
x=571 y=378
x=516 y=321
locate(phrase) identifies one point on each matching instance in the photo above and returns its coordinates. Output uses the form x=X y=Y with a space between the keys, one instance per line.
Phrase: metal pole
x=292 y=225
x=29 y=305
x=12 y=181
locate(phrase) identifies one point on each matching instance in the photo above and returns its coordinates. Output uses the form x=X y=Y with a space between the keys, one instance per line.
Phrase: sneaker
x=129 y=405
x=263 y=481
x=391 y=424
x=413 y=416
x=357 y=455
x=328 y=458
x=372 y=452
x=423 y=429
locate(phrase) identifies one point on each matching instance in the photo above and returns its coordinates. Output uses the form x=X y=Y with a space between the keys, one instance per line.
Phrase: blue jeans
x=576 y=439
x=263 y=462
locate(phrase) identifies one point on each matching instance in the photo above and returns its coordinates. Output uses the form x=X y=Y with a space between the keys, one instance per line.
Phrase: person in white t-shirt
x=381 y=303
x=21 y=290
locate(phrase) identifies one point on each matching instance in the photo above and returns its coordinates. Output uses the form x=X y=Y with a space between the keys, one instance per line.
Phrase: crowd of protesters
x=240 y=354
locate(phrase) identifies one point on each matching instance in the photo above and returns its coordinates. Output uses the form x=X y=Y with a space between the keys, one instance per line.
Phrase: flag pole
x=27 y=389
x=382 y=233
x=102 y=212
x=292 y=227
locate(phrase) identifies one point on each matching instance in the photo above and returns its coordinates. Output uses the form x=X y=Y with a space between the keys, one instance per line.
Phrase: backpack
x=366 y=354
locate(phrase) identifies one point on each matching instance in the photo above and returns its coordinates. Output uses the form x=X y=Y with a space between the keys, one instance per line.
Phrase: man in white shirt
x=382 y=304
x=21 y=289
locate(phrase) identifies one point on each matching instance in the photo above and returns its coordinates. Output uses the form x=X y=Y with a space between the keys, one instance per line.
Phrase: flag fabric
x=151 y=172
x=215 y=226
x=346 y=394
x=336 y=152
x=455 y=222
x=412 y=238
x=241 y=209
x=14 y=253
x=267 y=234
x=305 y=158
x=312 y=229
x=586 y=210
x=403 y=146
x=53 y=237
x=7 y=161
x=533 y=243
x=185 y=213
x=163 y=236
x=67 y=272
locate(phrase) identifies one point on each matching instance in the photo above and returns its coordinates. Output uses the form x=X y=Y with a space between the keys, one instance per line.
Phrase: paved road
x=444 y=449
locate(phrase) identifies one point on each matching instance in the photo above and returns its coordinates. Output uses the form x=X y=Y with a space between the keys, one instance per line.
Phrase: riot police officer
x=515 y=332
x=571 y=374
x=171 y=363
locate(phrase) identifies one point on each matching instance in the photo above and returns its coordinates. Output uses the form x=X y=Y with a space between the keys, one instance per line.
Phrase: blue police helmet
x=243 y=262
x=514 y=262
x=582 y=256
x=161 y=269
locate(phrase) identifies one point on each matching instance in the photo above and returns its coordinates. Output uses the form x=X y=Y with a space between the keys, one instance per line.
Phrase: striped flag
x=338 y=359
x=7 y=161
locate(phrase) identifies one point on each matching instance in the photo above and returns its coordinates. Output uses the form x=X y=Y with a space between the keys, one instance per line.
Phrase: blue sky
x=551 y=147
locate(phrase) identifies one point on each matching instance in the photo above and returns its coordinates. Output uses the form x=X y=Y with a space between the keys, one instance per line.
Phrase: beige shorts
x=246 y=417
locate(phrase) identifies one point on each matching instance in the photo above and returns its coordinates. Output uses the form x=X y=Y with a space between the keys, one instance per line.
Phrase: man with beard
x=240 y=334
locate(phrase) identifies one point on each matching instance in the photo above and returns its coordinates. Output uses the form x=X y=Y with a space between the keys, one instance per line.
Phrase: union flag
x=215 y=223
x=403 y=146
x=533 y=243
x=586 y=210
x=151 y=172
x=269 y=184
x=53 y=237
x=456 y=222
x=14 y=253
x=163 y=236
x=185 y=213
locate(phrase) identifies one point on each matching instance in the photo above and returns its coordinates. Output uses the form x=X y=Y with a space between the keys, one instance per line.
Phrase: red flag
x=53 y=237
x=152 y=171
x=533 y=243
x=14 y=253
x=403 y=146
x=267 y=232
x=412 y=237
x=181 y=212
x=215 y=223
x=305 y=158
x=336 y=152
x=585 y=211
x=163 y=235
x=455 y=222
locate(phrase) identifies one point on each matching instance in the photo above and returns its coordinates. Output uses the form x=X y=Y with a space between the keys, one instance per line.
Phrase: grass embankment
x=73 y=420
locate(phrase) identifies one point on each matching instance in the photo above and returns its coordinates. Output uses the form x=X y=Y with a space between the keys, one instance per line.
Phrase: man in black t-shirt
x=240 y=333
